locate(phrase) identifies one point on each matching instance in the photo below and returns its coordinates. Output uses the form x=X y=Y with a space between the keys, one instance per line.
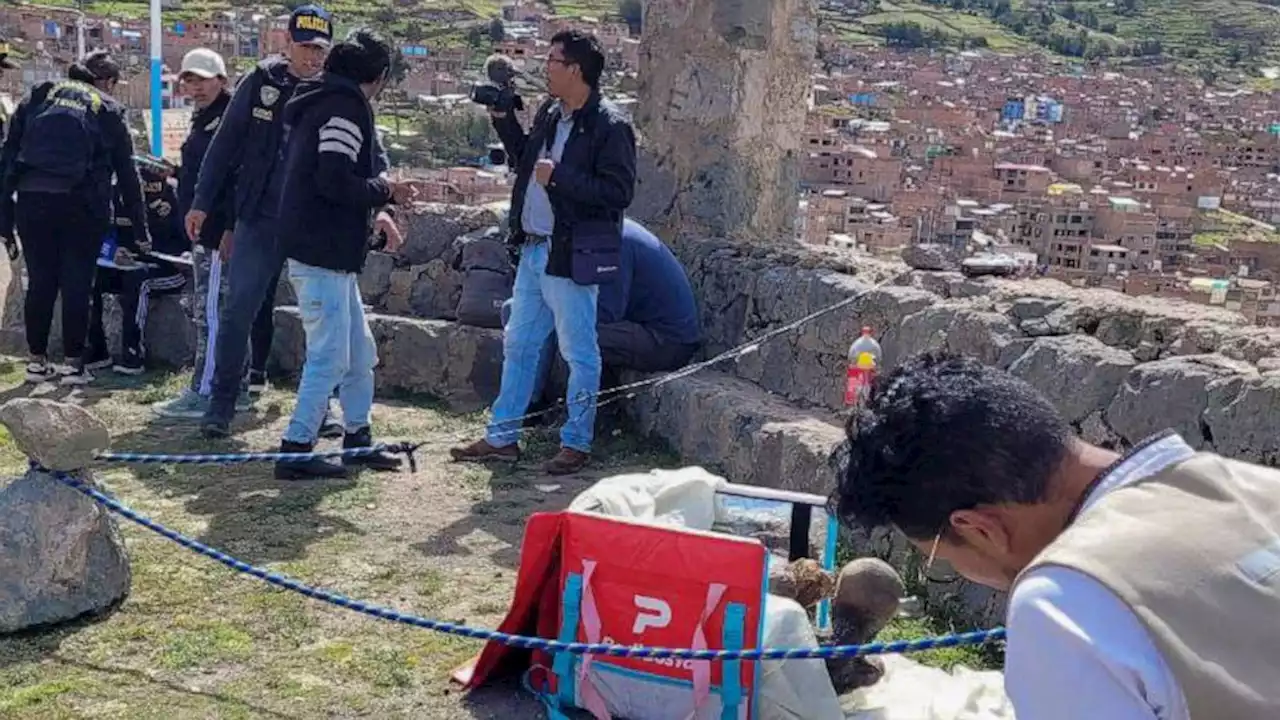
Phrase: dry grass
x=195 y=640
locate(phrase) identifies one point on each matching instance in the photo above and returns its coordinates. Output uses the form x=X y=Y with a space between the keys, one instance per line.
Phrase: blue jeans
x=340 y=351
x=542 y=303
x=252 y=272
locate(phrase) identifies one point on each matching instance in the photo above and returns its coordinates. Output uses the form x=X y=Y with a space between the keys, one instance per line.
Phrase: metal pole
x=157 y=114
x=80 y=31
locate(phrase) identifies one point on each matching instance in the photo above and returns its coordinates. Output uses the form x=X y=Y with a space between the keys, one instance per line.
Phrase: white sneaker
x=76 y=376
x=38 y=372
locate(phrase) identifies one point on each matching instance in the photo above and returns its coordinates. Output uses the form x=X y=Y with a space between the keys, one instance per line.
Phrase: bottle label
x=858 y=381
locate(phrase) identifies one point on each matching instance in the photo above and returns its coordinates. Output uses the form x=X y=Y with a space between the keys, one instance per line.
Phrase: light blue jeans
x=541 y=304
x=340 y=351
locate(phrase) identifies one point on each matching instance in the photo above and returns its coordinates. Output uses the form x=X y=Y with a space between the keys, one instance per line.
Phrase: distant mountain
x=1241 y=34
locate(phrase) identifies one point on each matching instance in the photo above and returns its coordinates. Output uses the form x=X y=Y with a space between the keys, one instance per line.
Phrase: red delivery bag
x=626 y=583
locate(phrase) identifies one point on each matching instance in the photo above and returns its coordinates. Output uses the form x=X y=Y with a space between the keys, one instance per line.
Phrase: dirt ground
x=195 y=640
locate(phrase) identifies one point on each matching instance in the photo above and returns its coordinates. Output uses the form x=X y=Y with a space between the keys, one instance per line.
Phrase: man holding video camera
x=575 y=176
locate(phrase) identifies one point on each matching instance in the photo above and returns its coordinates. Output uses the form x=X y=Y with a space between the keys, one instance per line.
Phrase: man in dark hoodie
x=204 y=80
x=66 y=142
x=245 y=152
x=334 y=185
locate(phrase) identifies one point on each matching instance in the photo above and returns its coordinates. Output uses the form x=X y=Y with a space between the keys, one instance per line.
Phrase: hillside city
x=1051 y=140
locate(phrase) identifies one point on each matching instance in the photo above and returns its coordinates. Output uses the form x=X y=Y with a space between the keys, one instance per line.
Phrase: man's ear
x=983 y=528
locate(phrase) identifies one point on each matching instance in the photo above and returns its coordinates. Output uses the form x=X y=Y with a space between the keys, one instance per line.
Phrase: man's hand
x=194 y=221
x=226 y=245
x=404 y=192
x=384 y=223
x=542 y=171
x=144 y=246
x=123 y=257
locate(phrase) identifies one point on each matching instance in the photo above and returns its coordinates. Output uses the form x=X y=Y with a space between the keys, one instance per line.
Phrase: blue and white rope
x=520 y=641
x=405 y=448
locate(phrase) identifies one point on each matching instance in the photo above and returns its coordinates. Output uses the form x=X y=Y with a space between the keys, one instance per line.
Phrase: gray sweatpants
x=207 y=266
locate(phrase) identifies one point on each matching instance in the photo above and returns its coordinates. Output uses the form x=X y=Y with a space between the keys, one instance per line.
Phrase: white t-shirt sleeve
x=1077 y=651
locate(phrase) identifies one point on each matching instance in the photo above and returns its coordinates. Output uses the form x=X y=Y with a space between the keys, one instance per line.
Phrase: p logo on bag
x=653 y=613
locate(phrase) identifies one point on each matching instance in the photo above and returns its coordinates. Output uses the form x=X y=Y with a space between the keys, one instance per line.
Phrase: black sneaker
x=39 y=371
x=76 y=376
x=215 y=429
x=363 y=438
x=257 y=382
x=330 y=428
x=306 y=469
x=130 y=363
x=98 y=359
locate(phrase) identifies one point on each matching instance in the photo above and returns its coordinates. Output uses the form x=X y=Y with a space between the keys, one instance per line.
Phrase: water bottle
x=864 y=360
x=109 y=244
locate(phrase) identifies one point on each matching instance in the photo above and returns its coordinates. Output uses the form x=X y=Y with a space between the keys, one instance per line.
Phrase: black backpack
x=61 y=136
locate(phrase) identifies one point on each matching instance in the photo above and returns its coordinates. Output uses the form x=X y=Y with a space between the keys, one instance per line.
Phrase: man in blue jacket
x=647 y=320
x=333 y=184
x=245 y=152
x=575 y=175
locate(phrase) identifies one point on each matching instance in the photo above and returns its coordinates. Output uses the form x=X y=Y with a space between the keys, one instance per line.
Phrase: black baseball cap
x=5 y=61
x=311 y=25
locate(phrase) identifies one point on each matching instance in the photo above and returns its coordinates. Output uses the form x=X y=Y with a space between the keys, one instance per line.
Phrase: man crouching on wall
x=332 y=188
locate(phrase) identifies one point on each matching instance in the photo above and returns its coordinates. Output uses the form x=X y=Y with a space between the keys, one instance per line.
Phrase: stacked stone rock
x=61 y=555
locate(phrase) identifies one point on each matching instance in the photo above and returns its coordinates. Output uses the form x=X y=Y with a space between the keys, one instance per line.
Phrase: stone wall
x=1120 y=367
x=724 y=89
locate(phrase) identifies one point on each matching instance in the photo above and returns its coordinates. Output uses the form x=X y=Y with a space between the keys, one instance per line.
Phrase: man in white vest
x=1143 y=586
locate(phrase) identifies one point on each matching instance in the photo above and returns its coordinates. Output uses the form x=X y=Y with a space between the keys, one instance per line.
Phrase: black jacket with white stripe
x=332 y=182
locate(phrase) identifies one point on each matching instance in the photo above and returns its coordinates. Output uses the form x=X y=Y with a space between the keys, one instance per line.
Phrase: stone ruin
x=719 y=149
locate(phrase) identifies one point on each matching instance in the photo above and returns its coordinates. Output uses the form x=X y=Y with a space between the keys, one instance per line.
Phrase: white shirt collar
x=1148 y=458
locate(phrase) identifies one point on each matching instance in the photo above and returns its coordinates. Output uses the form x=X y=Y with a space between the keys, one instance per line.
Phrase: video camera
x=499 y=93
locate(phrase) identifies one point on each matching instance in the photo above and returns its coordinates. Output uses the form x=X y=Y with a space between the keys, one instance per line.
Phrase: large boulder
x=61 y=555
x=930 y=257
x=1078 y=373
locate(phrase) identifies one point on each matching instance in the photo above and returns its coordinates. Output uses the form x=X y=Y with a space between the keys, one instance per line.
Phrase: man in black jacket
x=567 y=222
x=66 y=142
x=245 y=154
x=204 y=80
x=333 y=186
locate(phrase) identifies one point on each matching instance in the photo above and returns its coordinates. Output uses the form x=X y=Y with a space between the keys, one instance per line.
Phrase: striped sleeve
x=340 y=135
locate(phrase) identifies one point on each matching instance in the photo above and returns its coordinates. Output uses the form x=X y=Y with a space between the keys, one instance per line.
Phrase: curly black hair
x=942 y=433
x=364 y=56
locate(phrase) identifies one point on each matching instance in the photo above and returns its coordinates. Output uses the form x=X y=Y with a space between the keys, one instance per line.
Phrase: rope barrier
x=603 y=398
x=401 y=448
x=521 y=641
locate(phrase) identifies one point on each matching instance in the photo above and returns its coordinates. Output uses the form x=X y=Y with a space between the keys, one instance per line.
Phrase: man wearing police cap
x=245 y=151
x=66 y=142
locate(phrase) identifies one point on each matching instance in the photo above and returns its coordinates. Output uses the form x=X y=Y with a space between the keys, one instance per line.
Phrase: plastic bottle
x=864 y=361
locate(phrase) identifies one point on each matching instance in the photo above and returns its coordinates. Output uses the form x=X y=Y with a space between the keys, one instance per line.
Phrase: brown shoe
x=566 y=462
x=481 y=451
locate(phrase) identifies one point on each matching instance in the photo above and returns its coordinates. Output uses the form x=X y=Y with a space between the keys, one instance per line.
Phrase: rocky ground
x=194 y=640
